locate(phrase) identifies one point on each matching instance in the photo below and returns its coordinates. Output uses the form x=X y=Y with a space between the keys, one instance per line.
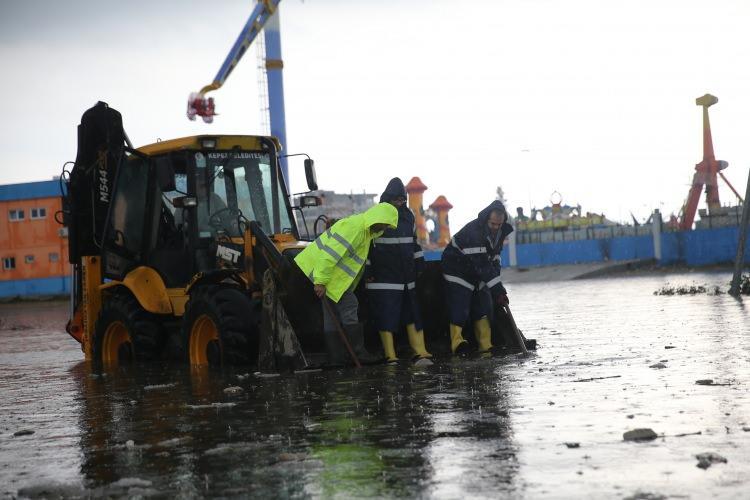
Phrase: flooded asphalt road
x=493 y=428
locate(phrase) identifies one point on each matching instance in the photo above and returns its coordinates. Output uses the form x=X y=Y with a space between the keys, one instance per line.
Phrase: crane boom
x=198 y=104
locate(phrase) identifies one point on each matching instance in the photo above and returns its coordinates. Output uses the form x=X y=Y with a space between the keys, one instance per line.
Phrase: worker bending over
x=395 y=260
x=471 y=268
x=335 y=263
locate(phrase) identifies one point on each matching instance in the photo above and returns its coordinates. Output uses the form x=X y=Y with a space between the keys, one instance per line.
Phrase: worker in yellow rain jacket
x=334 y=262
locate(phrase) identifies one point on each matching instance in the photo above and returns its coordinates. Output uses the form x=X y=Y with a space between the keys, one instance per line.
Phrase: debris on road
x=645 y=434
x=572 y=445
x=708 y=381
x=23 y=432
x=658 y=366
x=681 y=290
x=707 y=459
x=596 y=378
x=698 y=433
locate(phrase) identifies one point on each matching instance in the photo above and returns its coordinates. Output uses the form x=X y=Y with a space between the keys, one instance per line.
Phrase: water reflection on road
x=480 y=428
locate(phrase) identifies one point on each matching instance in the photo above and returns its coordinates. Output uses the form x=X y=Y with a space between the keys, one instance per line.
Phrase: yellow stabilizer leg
x=416 y=341
x=457 y=339
x=483 y=333
x=390 y=353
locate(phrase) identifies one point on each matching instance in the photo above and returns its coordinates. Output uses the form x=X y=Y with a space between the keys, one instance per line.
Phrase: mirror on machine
x=312 y=179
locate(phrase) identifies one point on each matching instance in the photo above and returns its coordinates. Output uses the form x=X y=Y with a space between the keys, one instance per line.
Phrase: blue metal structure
x=265 y=15
x=699 y=247
x=274 y=67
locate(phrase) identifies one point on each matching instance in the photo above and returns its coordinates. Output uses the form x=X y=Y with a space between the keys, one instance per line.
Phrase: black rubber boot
x=357 y=340
x=335 y=349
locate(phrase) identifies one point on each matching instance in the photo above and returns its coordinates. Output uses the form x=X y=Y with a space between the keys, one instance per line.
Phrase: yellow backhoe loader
x=169 y=243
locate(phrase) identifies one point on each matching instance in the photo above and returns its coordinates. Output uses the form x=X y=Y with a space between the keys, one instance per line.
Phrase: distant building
x=727 y=216
x=333 y=206
x=33 y=246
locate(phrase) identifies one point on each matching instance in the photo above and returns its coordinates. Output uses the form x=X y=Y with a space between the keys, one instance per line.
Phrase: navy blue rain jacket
x=472 y=258
x=395 y=258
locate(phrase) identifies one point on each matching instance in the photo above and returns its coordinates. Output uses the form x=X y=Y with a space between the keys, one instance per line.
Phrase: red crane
x=706 y=172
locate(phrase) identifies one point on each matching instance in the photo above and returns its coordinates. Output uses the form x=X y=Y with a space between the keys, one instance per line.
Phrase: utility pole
x=740 y=257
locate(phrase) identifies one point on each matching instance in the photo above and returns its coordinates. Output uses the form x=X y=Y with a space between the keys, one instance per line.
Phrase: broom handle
x=519 y=337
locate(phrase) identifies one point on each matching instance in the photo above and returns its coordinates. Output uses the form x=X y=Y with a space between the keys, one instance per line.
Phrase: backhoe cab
x=169 y=242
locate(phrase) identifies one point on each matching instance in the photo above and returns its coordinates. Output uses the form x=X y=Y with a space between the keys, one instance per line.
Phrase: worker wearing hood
x=471 y=268
x=335 y=263
x=395 y=260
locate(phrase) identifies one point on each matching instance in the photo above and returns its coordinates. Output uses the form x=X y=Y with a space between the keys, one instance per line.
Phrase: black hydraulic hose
x=321 y=218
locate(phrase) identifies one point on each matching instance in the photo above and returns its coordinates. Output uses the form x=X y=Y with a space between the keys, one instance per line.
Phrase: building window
x=38 y=213
x=9 y=263
x=15 y=215
x=29 y=259
x=54 y=257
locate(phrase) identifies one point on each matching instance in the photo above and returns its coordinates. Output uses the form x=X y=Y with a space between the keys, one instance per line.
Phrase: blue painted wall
x=582 y=251
x=693 y=248
x=35 y=287
x=700 y=248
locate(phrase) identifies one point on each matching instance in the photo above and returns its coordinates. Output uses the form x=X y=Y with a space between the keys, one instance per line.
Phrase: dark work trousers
x=345 y=310
x=394 y=308
x=465 y=304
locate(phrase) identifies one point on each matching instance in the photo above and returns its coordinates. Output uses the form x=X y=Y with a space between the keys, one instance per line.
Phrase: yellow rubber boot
x=387 y=340
x=483 y=333
x=416 y=341
x=458 y=344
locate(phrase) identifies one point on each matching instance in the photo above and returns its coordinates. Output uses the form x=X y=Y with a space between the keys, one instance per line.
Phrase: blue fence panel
x=672 y=248
x=431 y=255
x=702 y=247
x=560 y=252
x=694 y=248
x=631 y=248
x=712 y=246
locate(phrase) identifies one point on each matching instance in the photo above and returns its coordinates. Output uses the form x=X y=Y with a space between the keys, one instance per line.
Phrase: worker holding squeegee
x=335 y=263
x=471 y=268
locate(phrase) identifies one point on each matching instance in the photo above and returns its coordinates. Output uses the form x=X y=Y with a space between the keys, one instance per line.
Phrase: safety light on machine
x=208 y=143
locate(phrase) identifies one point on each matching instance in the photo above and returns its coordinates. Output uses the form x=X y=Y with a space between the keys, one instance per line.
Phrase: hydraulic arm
x=198 y=103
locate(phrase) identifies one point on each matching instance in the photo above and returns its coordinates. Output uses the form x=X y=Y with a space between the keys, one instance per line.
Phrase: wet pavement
x=613 y=357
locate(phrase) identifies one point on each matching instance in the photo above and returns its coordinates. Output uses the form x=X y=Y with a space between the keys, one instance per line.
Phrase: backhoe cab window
x=180 y=181
x=129 y=205
x=232 y=186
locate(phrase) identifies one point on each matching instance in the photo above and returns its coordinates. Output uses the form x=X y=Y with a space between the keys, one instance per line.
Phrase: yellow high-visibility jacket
x=337 y=257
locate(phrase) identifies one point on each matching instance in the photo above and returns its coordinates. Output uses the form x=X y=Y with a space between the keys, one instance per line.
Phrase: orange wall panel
x=39 y=238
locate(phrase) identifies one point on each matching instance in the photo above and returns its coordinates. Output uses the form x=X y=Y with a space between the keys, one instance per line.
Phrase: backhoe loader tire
x=219 y=327
x=125 y=332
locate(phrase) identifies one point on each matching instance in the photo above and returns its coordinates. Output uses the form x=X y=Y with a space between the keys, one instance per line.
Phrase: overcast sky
x=594 y=99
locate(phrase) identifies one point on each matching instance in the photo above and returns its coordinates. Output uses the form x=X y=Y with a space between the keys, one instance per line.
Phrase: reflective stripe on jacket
x=336 y=258
x=396 y=257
